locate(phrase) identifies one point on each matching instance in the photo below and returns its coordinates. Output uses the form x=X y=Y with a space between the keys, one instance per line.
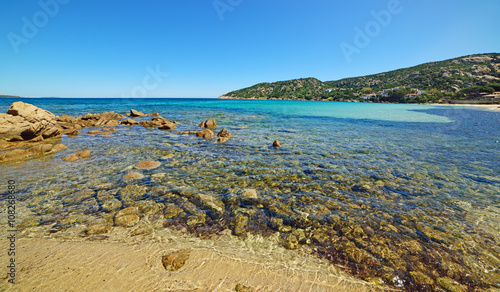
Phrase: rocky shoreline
x=27 y=131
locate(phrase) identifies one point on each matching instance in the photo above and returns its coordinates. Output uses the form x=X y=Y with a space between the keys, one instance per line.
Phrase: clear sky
x=204 y=48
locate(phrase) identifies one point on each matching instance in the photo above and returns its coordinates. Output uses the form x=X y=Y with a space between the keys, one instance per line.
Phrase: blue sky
x=198 y=48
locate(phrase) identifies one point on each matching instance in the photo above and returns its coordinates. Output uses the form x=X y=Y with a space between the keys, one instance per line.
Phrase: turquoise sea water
x=407 y=194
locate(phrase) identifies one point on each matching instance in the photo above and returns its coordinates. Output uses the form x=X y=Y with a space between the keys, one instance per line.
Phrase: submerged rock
x=171 y=211
x=127 y=217
x=133 y=175
x=148 y=164
x=175 y=260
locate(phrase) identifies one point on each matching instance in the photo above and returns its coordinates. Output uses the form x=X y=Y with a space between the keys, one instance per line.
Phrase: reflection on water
x=407 y=195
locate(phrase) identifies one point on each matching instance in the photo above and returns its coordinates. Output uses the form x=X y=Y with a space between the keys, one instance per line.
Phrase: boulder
x=210 y=123
x=70 y=158
x=67 y=119
x=207 y=134
x=30 y=112
x=72 y=132
x=276 y=144
x=134 y=113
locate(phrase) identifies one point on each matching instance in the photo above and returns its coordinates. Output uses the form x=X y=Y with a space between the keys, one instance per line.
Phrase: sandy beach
x=490 y=107
x=125 y=264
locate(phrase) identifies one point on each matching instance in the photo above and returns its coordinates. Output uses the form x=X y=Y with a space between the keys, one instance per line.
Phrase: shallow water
x=405 y=195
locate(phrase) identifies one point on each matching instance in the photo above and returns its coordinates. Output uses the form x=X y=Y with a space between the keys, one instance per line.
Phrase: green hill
x=473 y=77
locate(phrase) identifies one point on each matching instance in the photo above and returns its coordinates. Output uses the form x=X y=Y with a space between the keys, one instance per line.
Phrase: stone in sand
x=276 y=144
x=175 y=260
x=207 y=134
x=134 y=113
x=148 y=164
x=210 y=123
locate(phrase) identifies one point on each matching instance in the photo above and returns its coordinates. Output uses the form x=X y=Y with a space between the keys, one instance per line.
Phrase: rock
x=213 y=205
x=249 y=194
x=242 y=288
x=291 y=242
x=223 y=136
x=95 y=132
x=134 y=113
x=30 y=112
x=58 y=147
x=176 y=260
x=129 y=122
x=16 y=139
x=168 y=126
x=171 y=211
x=72 y=132
x=276 y=144
x=112 y=123
x=40 y=149
x=207 y=134
x=12 y=126
x=188 y=132
x=15 y=154
x=28 y=121
x=197 y=219
x=84 y=153
x=37 y=139
x=148 y=164
x=133 y=175
x=70 y=158
x=127 y=217
x=239 y=224
x=67 y=119
x=210 y=123
x=148 y=124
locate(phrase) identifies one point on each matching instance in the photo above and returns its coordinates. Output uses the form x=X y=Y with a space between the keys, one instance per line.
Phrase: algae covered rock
x=175 y=260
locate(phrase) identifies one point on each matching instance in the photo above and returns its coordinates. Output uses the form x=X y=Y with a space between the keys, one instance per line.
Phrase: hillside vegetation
x=474 y=77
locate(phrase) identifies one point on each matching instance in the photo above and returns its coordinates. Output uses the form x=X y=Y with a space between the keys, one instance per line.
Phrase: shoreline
x=255 y=263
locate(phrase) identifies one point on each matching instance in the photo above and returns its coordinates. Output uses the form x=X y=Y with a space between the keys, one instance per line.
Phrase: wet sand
x=134 y=264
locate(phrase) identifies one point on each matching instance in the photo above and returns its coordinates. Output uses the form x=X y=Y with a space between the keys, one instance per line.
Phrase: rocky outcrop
x=28 y=121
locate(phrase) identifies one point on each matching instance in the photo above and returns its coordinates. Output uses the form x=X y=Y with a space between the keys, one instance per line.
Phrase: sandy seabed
x=121 y=263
